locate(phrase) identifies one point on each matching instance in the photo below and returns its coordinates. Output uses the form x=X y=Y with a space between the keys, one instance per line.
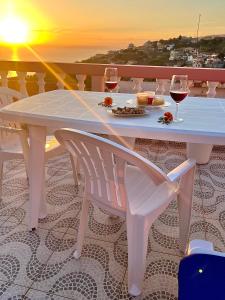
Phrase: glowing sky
x=114 y=23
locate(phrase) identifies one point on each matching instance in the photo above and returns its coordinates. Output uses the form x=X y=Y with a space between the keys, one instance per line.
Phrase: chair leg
x=75 y=168
x=1 y=177
x=137 y=237
x=82 y=227
x=185 y=207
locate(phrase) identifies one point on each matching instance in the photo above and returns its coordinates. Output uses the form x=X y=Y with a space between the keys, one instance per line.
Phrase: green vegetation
x=158 y=52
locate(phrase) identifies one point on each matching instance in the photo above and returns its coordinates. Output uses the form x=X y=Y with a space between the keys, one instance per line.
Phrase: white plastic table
x=203 y=126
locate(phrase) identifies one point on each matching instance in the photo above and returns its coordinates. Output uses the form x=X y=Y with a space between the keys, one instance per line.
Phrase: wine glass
x=178 y=91
x=111 y=78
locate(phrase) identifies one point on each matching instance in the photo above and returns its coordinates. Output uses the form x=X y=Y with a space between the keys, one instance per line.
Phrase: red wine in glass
x=111 y=78
x=111 y=85
x=179 y=91
x=178 y=96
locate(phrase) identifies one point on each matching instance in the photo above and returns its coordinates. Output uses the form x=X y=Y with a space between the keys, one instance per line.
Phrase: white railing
x=159 y=76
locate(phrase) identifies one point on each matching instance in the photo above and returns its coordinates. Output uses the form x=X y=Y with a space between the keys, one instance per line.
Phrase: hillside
x=159 y=52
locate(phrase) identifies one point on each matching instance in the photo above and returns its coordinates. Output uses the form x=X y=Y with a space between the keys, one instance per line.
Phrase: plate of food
x=128 y=111
x=147 y=102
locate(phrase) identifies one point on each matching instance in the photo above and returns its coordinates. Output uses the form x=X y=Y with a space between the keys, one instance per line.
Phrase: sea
x=51 y=53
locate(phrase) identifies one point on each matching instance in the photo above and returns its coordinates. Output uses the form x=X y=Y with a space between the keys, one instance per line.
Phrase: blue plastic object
x=202 y=277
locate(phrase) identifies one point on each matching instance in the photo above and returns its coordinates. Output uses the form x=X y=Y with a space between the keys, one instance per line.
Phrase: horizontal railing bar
x=137 y=71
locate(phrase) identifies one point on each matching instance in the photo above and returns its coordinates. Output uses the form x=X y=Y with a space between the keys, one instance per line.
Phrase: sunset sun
x=13 y=31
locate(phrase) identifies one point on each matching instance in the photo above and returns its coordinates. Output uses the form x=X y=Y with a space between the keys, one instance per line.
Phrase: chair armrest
x=181 y=170
x=158 y=201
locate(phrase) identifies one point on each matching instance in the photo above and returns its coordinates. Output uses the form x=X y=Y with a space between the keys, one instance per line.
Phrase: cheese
x=158 y=101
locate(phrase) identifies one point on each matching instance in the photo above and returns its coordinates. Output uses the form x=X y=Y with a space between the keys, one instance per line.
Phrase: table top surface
x=204 y=118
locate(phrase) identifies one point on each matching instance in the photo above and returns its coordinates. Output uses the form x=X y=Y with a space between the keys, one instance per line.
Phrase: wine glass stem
x=176 y=112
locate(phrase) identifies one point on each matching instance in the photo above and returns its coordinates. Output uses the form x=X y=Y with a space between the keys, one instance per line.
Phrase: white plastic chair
x=138 y=191
x=14 y=143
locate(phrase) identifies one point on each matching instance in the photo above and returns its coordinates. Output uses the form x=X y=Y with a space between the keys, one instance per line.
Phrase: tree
x=221 y=56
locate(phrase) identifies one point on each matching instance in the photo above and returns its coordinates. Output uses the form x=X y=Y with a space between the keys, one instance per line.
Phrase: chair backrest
x=8 y=96
x=104 y=166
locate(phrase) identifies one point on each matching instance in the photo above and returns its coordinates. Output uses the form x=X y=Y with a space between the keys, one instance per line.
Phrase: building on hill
x=197 y=63
x=131 y=46
x=176 y=55
x=160 y=46
x=170 y=47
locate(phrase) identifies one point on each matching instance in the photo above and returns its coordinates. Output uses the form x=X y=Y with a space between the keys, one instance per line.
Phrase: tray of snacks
x=128 y=111
x=148 y=101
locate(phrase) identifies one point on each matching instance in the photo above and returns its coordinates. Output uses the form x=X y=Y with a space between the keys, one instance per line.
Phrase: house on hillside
x=170 y=47
x=176 y=55
x=160 y=46
x=196 y=63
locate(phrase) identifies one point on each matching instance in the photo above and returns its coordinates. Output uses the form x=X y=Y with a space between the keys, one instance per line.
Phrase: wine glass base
x=178 y=120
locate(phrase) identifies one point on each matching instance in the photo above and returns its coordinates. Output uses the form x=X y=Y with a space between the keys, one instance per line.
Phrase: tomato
x=108 y=101
x=150 y=99
x=168 y=116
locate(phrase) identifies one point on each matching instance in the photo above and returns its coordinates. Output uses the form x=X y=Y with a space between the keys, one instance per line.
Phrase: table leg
x=37 y=206
x=199 y=152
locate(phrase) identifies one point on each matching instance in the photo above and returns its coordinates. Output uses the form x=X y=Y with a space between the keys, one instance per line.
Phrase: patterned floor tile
x=42 y=261
x=198 y=196
x=147 y=148
x=59 y=218
x=64 y=179
x=96 y=275
x=215 y=234
x=160 y=280
x=11 y=164
x=23 y=254
x=14 y=194
x=63 y=202
x=38 y=295
x=13 y=211
x=14 y=186
x=212 y=178
x=101 y=226
x=10 y=291
x=171 y=154
x=60 y=162
x=164 y=233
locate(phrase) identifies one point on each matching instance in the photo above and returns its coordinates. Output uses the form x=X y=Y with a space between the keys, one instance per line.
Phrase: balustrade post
x=190 y=85
x=22 y=82
x=211 y=93
x=41 y=82
x=60 y=83
x=118 y=85
x=81 y=78
x=161 y=86
x=137 y=84
x=4 y=78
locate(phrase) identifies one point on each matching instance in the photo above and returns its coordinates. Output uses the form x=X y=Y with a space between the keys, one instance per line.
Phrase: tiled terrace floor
x=40 y=265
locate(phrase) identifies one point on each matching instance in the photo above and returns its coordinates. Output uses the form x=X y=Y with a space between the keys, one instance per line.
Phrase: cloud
x=53 y=30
